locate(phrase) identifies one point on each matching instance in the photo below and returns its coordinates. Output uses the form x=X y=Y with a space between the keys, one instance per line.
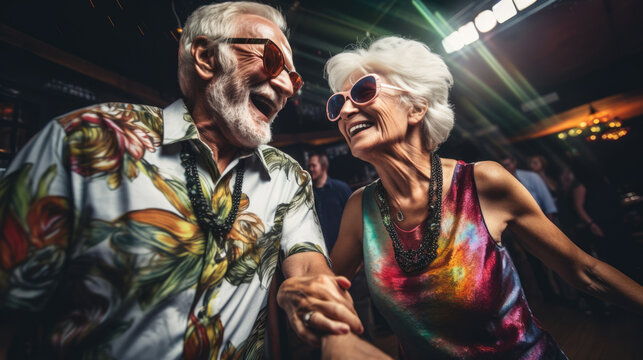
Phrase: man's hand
x=349 y=346
x=326 y=299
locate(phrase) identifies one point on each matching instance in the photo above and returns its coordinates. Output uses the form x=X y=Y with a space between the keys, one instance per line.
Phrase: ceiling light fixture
x=485 y=21
x=523 y=4
x=597 y=123
x=504 y=10
x=468 y=33
x=453 y=42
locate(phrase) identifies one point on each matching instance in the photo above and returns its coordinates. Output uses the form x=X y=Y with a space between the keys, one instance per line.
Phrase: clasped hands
x=320 y=311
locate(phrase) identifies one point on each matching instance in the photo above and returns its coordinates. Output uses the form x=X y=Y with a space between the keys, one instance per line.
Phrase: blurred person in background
x=538 y=164
x=330 y=197
x=534 y=184
x=600 y=217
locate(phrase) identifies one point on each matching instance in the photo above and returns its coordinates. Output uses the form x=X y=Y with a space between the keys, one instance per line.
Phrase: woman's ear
x=416 y=113
x=203 y=56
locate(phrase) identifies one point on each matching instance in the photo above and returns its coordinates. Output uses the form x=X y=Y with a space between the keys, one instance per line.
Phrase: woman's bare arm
x=347 y=254
x=507 y=203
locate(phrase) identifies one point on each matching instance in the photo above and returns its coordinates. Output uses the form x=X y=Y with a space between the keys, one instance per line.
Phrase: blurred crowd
x=589 y=210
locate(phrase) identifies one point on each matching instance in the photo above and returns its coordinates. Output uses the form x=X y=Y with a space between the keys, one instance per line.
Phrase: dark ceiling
x=580 y=50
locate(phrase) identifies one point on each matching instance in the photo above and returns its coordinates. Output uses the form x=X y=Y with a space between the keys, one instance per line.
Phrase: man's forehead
x=255 y=26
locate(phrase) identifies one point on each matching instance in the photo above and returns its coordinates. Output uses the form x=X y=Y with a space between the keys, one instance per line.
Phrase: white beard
x=229 y=100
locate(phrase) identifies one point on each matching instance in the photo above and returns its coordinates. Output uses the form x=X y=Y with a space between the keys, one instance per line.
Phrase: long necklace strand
x=206 y=218
x=417 y=259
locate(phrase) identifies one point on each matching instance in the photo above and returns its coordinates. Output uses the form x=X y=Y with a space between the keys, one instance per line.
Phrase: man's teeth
x=356 y=128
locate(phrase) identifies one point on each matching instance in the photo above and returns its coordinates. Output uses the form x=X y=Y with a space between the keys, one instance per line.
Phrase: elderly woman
x=428 y=231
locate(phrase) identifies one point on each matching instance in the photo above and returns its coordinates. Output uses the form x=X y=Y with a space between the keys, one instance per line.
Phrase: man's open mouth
x=263 y=104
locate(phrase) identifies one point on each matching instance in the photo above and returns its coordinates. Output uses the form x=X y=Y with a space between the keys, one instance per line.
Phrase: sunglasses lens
x=335 y=104
x=364 y=90
x=296 y=80
x=273 y=60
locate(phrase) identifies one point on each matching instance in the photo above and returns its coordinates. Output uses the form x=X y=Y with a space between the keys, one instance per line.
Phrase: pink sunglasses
x=363 y=92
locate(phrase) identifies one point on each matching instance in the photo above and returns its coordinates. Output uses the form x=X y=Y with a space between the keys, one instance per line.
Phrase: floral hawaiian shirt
x=98 y=239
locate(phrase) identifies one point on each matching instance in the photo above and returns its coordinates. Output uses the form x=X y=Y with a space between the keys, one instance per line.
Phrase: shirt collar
x=178 y=125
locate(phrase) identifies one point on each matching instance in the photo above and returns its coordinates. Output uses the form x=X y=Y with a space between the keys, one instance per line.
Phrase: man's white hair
x=407 y=64
x=216 y=22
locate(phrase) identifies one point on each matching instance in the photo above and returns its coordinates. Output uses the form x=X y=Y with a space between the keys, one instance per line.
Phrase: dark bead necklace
x=206 y=218
x=417 y=259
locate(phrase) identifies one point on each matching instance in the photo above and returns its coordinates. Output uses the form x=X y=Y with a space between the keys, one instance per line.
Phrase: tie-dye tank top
x=468 y=303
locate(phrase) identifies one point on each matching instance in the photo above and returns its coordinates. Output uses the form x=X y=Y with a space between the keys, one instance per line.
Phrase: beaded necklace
x=206 y=218
x=417 y=259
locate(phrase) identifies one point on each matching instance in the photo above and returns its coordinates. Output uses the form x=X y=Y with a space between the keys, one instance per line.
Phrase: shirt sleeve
x=35 y=221
x=301 y=229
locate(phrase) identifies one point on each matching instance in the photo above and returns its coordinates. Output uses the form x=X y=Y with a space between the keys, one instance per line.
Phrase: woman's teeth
x=359 y=127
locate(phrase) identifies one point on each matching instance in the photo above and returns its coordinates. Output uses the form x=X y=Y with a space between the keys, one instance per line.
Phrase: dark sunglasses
x=273 y=60
x=363 y=92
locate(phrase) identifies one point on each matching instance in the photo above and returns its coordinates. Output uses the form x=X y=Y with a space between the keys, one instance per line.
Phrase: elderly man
x=133 y=232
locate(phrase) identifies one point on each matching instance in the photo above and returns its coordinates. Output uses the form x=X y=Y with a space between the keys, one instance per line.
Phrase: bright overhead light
x=504 y=10
x=523 y=4
x=468 y=33
x=452 y=42
x=485 y=21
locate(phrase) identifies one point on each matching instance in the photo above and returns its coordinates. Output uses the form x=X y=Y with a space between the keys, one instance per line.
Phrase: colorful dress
x=468 y=303
x=101 y=251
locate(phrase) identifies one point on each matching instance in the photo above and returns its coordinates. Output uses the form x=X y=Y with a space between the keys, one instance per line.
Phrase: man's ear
x=203 y=56
x=416 y=113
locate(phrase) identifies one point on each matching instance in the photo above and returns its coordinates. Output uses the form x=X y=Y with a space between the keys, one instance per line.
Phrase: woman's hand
x=326 y=303
x=312 y=292
x=349 y=346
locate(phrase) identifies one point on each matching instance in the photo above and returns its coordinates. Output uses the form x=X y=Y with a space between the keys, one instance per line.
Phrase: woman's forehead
x=353 y=77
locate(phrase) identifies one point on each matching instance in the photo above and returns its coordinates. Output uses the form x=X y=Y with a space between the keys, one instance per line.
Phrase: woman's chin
x=361 y=152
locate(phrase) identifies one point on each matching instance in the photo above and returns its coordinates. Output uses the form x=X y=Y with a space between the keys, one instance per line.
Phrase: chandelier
x=598 y=125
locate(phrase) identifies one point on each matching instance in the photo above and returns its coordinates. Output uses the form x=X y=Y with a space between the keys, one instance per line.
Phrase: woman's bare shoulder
x=490 y=175
x=497 y=185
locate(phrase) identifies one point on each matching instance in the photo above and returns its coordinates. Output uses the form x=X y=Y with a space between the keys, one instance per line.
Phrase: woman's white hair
x=407 y=64
x=217 y=22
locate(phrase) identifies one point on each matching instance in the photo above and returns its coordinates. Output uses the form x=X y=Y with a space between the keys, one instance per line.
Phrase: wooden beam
x=60 y=57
